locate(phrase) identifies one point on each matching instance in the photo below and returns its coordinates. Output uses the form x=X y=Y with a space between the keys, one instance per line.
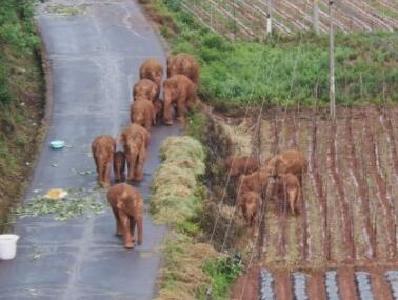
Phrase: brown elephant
x=127 y=206
x=146 y=89
x=135 y=140
x=153 y=70
x=143 y=112
x=254 y=182
x=241 y=165
x=289 y=192
x=183 y=64
x=289 y=161
x=158 y=104
x=178 y=90
x=103 y=148
x=119 y=162
x=249 y=203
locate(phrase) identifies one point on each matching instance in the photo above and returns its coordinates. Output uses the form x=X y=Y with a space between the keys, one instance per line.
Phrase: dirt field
x=247 y=18
x=348 y=214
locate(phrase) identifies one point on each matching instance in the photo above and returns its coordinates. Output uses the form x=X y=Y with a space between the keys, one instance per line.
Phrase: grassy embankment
x=283 y=71
x=21 y=98
x=191 y=266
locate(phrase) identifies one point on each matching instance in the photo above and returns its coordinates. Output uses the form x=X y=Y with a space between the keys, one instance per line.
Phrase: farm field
x=247 y=18
x=348 y=216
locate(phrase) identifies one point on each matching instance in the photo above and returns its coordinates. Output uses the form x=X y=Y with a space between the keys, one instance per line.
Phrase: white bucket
x=8 y=246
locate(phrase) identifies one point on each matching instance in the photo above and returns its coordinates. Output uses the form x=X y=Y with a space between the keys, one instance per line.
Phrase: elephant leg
x=108 y=171
x=119 y=230
x=140 y=229
x=167 y=113
x=97 y=166
x=132 y=224
x=133 y=165
x=181 y=109
x=127 y=237
x=139 y=166
x=148 y=123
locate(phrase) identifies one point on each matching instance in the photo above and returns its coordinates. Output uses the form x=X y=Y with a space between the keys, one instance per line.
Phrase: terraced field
x=348 y=214
x=247 y=18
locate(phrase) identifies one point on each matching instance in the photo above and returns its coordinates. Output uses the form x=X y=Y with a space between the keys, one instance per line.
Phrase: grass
x=21 y=97
x=191 y=268
x=285 y=71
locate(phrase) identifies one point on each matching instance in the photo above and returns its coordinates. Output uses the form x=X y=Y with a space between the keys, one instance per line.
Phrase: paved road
x=94 y=54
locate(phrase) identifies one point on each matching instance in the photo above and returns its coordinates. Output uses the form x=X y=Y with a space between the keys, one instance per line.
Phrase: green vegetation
x=17 y=35
x=223 y=271
x=21 y=101
x=190 y=266
x=285 y=71
x=75 y=204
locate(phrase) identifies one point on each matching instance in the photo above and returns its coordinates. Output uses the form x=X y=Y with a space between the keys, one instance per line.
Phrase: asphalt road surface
x=94 y=49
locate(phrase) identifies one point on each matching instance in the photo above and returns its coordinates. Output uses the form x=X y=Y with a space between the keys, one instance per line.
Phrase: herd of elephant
x=179 y=92
x=283 y=173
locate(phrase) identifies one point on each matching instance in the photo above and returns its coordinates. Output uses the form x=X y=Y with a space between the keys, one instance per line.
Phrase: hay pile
x=182 y=272
x=176 y=190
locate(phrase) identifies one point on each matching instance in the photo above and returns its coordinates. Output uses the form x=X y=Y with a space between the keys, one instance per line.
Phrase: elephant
x=103 y=148
x=135 y=140
x=127 y=206
x=254 y=182
x=143 y=112
x=183 y=64
x=119 y=162
x=289 y=191
x=179 y=90
x=145 y=88
x=158 y=104
x=153 y=70
x=289 y=161
x=241 y=165
x=249 y=203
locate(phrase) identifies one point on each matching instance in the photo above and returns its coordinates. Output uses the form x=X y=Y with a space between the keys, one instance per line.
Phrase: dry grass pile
x=182 y=274
x=176 y=191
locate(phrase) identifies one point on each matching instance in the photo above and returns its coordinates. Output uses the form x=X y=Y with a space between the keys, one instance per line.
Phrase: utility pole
x=269 y=17
x=332 y=92
x=316 y=16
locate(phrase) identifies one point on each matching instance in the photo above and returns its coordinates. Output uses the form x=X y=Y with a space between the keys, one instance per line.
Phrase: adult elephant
x=135 y=140
x=127 y=206
x=183 y=64
x=103 y=148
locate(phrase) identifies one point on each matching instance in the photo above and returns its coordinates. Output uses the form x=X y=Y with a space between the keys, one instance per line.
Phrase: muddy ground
x=348 y=213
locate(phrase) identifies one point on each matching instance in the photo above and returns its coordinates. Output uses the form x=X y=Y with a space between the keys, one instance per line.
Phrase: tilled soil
x=347 y=219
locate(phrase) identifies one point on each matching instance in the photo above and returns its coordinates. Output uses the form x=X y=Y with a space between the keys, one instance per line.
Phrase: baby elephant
x=183 y=64
x=119 y=162
x=241 y=165
x=127 y=205
x=103 y=148
x=181 y=91
x=289 y=192
x=142 y=112
x=249 y=203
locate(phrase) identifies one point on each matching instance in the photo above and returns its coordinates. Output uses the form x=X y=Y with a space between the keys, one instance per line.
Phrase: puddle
x=267 y=286
x=332 y=290
x=392 y=278
x=364 y=285
x=299 y=285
